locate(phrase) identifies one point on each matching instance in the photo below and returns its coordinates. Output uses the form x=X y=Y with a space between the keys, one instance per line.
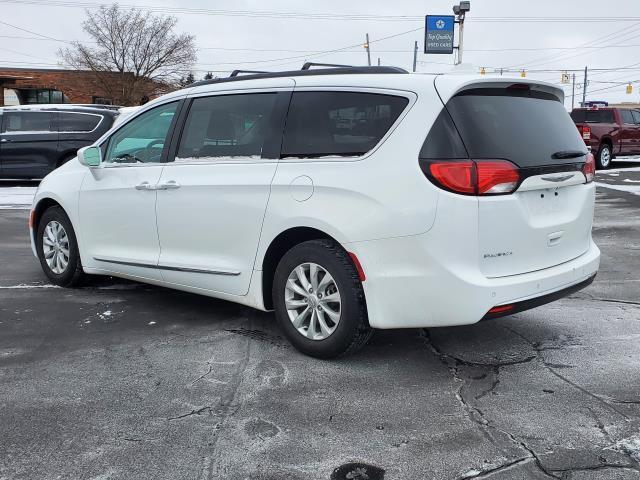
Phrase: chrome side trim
x=231 y=273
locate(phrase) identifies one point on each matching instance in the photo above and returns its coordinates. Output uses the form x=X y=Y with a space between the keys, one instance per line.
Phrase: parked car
x=35 y=139
x=451 y=199
x=609 y=132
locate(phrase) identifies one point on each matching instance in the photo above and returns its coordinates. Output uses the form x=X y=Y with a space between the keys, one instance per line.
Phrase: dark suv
x=34 y=140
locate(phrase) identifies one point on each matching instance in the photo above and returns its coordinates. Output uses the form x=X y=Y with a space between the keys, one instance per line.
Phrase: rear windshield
x=592 y=116
x=338 y=123
x=523 y=126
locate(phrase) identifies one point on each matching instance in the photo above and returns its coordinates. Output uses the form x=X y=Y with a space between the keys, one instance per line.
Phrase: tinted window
x=636 y=116
x=443 y=141
x=592 y=116
x=142 y=139
x=627 y=116
x=28 y=122
x=78 y=122
x=522 y=126
x=338 y=123
x=226 y=126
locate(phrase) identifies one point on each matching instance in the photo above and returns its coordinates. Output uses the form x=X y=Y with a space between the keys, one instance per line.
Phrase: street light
x=460 y=11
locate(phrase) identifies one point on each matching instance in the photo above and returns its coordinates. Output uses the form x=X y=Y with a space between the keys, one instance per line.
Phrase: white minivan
x=344 y=199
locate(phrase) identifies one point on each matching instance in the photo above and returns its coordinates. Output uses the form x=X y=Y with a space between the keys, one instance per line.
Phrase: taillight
x=586 y=132
x=457 y=176
x=589 y=168
x=475 y=177
x=496 y=176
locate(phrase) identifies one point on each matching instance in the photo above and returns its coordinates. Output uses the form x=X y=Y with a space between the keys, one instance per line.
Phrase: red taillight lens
x=479 y=177
x=496 y=176
x=457 y=176
x=586 y=132
x=589 y=168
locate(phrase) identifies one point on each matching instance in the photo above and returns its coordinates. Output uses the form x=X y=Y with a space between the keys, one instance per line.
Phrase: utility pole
x=415 y=55
x=573 y=92
x=366 y=45
x=460 y=32
x=584 y=88
x=460 y=11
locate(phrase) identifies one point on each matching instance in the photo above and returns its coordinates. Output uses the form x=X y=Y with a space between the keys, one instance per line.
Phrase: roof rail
x=302 y=73
x=308 y=65
x=235 y=73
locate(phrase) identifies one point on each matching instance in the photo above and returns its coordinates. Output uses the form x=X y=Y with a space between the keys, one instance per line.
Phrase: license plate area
x=546 y=201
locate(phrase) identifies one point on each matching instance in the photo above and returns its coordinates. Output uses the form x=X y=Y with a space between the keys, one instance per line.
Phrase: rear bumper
x=413 y=282
x=534 y=302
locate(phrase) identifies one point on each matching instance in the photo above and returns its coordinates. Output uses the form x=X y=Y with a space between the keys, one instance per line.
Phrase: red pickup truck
x=609 y=132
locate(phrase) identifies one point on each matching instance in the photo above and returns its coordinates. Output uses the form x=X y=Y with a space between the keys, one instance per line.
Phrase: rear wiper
x=568 y=154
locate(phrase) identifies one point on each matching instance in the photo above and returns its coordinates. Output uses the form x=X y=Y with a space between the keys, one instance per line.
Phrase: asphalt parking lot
x=119 y=380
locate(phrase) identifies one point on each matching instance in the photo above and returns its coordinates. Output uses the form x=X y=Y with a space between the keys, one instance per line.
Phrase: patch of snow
x=16 y=197
x=614 y=170
x=25 y=286
x=472 y=473
x=622 y=188
x=630 y=446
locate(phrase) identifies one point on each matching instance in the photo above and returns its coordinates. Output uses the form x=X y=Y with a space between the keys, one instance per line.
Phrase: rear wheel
x=603 y=157
x=57 y=248
x=319 y=301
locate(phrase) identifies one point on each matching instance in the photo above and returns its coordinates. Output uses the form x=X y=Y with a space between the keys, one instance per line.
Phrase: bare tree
x=143 y=48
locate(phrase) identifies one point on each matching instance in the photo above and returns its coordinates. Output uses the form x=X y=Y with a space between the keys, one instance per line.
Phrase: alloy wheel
x=312 y=300
x=55 y=247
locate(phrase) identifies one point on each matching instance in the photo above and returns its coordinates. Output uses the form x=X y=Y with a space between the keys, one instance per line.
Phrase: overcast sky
x=227 y=41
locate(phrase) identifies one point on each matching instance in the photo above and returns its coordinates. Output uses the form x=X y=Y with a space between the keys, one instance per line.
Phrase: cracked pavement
x=119 y=380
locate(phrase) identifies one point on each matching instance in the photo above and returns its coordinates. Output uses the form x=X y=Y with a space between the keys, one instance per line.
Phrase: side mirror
x=90 y=156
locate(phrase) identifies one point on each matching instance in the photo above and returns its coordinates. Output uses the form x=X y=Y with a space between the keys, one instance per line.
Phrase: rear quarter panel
x=382 y=194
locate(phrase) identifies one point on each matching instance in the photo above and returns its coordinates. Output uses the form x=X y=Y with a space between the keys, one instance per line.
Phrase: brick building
x=28 y=86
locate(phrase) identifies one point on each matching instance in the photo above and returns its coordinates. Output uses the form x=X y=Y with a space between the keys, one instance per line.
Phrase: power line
x=32 y=32
x=319 y=16
x=616 y=34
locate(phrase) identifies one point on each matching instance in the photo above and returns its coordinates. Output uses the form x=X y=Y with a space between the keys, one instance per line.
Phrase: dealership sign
x=438 y=36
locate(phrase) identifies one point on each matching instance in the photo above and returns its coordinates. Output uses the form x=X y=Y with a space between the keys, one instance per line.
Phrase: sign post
x=438 y=36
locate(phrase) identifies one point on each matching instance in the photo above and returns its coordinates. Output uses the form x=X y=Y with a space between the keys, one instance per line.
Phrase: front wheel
x=57 y=248
x=603 y=157
x=319 y=301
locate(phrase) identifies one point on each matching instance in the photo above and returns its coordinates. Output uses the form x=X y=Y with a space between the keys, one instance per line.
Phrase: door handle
x=5 y=140
x=145 y=186
x=170 y=185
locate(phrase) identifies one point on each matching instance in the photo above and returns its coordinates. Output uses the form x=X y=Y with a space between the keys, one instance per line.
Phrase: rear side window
x=28 y=122
x=338 y=123
x=636 y=116
x=78 y=122
x=626 y=116
x=523 y=126
x=226 y=126
x=592 y=116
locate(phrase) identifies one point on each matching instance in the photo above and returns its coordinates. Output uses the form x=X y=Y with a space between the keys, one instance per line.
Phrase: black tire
x=603 y=157
x=73 y=274
x=352 y=331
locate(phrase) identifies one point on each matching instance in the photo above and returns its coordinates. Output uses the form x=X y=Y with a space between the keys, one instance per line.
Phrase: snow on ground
x=621 y=188
x=16 y=197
